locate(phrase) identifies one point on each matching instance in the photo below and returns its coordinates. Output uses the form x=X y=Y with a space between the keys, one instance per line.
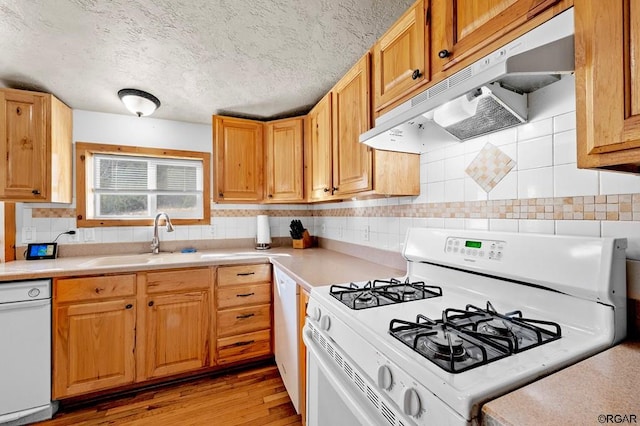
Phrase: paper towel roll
x=263 y=233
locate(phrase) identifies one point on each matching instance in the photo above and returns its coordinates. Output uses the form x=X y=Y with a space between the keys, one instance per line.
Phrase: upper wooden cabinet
x=35 y=147
x=318 y=151
x=284 y=161
x=239 y=158
x=338 y=165
x=608 y=84
x=401 y=56
x=352 y=161
x=461 y=28
x=250 y=152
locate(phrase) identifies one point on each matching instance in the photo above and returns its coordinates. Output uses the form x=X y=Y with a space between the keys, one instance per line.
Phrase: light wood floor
x=252 y=397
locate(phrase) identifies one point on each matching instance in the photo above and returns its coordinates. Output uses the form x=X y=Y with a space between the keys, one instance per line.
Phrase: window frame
x=85 y=150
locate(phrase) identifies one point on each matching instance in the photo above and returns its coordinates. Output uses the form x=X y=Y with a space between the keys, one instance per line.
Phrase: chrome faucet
x=155 y=242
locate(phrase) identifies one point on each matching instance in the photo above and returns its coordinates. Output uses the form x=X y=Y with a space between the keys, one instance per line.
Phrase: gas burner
x=497 y=327
x=445 y=345
x=383 y=292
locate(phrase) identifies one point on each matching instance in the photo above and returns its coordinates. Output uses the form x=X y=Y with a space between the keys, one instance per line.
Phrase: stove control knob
x=325 y=323
x=385 y=379
x=411 y=402
x=316 y=314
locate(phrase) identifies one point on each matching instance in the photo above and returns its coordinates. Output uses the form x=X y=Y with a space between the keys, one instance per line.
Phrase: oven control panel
x=481 y=249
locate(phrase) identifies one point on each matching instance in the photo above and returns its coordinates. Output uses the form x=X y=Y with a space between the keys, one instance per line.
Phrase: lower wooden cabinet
x=176 y=333
x=94 y=334
x=116 y=330
x=303 y=301
x=243 y=314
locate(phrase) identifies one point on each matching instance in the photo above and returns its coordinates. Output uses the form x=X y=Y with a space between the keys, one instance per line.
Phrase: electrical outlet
x=28 y=235
x=323 y=229
x=212 y=230
x=89 y=234
x=75 y=237
x=366 y=235
x=341 y=231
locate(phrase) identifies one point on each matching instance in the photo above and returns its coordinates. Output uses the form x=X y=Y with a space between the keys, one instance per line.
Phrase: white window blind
x=134 y=186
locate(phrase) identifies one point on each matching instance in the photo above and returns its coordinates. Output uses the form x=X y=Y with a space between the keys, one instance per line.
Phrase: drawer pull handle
x=99 y=290
x=245 y=295
x=129 y=306
x=248 y=342
x=245 y=316
x=244 y=274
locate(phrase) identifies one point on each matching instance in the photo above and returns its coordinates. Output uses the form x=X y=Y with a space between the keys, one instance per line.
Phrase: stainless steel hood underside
x=532 y=61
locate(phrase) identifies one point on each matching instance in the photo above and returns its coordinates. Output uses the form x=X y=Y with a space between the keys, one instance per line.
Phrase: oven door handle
x=347 y=394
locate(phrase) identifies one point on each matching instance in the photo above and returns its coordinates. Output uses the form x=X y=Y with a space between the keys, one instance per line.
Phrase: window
x=130 y=185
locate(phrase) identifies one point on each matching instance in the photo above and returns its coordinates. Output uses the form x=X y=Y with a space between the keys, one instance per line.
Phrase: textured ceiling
x=257 y=58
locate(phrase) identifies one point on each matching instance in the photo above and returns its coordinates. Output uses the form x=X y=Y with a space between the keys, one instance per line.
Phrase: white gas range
x=479 y=314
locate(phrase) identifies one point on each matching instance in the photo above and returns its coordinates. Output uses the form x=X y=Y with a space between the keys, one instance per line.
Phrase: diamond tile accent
x=489 y=167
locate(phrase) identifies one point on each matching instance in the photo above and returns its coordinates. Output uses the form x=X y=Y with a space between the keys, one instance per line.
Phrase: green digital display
x=473 y=244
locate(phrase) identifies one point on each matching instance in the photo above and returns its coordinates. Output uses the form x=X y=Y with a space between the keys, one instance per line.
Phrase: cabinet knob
x=444 y=53
x=335 y=188
x=270 y=196
x=129 y=306
x=326 y=190
x=36 y=192
x=220 y=194
x=416 y=74
x=151 y=303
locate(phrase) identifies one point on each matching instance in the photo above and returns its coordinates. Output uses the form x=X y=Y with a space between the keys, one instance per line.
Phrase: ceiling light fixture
x=139 y=102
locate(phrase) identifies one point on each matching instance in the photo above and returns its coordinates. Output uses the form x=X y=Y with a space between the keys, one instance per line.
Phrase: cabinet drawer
x=244 y=295
x=93 y=288
x=244 y=346
x=184 y=279
x=245 y=274
x=243 y=320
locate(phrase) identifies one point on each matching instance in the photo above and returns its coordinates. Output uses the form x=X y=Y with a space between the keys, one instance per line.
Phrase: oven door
x=331 y=400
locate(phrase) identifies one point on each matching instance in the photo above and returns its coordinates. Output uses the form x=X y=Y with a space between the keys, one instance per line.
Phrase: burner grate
x=469 y=338
x=383 y=292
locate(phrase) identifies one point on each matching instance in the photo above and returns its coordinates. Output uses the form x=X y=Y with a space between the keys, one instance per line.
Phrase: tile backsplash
x=523 y=179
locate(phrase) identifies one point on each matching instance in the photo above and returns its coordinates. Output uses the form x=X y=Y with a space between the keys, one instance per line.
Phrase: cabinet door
x=400 y=57
x=460 y=28
x=352 y=160
x=23 y=146
x=319 y=151
x=93 y=346
x=608 y=84
x=284 y=161
x=176 y=332
x=239 y=151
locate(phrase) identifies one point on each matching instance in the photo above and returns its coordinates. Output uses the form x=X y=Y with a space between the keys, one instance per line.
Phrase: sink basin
x=134 y=259
x=163 y=258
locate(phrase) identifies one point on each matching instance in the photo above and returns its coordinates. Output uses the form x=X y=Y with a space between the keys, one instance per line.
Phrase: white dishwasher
x=25 y=352
x=285 y=316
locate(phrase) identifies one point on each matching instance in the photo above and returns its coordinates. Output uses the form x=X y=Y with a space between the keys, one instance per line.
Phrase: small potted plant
x=300 y=236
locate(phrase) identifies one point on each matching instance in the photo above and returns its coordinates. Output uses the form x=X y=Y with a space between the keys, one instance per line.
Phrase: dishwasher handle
x=24 y=305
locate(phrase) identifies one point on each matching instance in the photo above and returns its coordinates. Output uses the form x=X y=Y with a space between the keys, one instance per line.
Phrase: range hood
x=487 y=96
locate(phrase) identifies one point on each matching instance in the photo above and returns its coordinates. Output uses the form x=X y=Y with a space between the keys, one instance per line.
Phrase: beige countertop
x=309 y=267
x=604 y=385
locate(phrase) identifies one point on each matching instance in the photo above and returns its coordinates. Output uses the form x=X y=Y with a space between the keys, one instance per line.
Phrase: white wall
x=544 y=150
x=146 y=132
x=129 y=130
